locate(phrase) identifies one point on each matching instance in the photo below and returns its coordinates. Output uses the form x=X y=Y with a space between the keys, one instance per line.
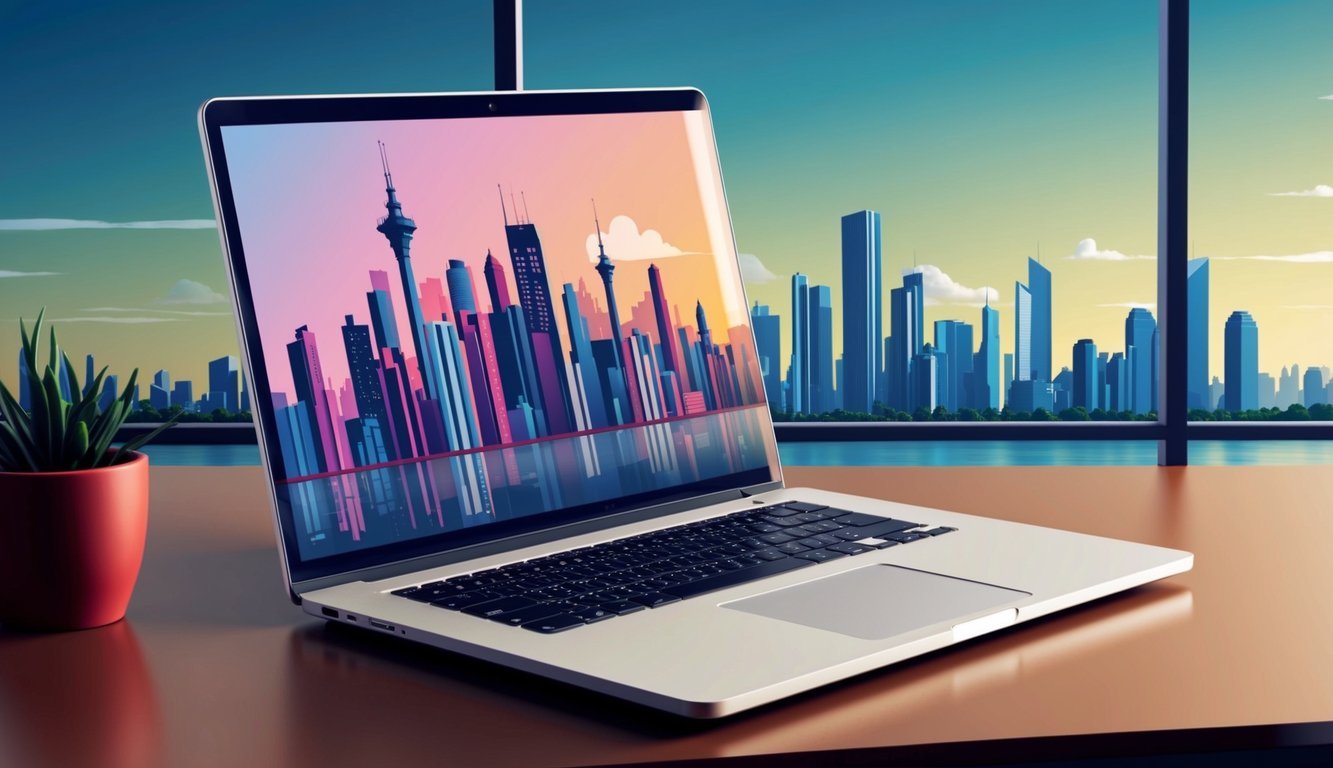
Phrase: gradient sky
x=308 y=198
x=978 y=128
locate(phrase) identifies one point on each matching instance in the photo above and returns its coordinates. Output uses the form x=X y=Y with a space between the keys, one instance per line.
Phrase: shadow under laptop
x=339 y=672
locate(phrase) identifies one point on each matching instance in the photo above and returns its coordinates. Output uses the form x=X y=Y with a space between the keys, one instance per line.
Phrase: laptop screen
x=463 y=328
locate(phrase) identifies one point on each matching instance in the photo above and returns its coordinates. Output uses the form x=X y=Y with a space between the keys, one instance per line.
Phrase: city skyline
x=1050 y=146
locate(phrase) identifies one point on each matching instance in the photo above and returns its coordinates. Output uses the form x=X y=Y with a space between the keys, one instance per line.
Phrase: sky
x=984 y=131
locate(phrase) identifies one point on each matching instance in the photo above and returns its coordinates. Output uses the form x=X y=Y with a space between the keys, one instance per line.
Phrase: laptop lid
x=473 y=319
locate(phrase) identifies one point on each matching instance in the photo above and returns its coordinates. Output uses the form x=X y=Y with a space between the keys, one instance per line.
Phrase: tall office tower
x=1008 y=376
x=1289 y=387
x=672 y=360
x=308 y=379
x=953 y=349
x=382 y=318
x=838 y=376
x=461 y=294
x=800 y=344
x=862 y=309
x=534 y=295
x=66 y=384
x=445 y=363
x=245 y=395
x=987 y=367
x=606 y=270
x=398 y=229
x=768 y=337
x=434 y=304
x=1140 y=331
x=1039 y=282
x=1084 y=386
x=224 y=384
x=581 y=356
x=25 y=389
x=159 y=394
x=1117 y=383
x=497 y=283
x=1242 y=363
x=1216 y=390
x=1022 y=333
x=1267 y=391
x=1062 y=389
x=906 y=337
x=925 y=379
x=366 y=383
x=708 y=370
x=182 y=394
x=1197 y=318
x=1313 y=386
x=820 y=303
x=1103 y=388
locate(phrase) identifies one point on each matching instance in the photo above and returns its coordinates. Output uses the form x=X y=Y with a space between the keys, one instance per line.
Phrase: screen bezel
x=219 y=113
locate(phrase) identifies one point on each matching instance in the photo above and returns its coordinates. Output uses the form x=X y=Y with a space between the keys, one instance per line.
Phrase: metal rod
x=1172 y=232
x=508 y=45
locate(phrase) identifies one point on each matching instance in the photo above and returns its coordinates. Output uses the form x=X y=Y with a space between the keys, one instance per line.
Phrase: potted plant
x=73 y=509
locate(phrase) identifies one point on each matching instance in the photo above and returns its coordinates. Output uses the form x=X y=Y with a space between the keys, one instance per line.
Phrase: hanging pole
x=1172 y=232
x=508 y=45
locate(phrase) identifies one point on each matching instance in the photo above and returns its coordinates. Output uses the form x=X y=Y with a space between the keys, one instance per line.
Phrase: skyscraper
x=461 y=294
x=1039 y=282
x=182 y=394
x=768 y=337
x=382 y=318
x=1242 y=363
x=953 y=355
x=607 y=271
x=497 y=283
x=224 y=384
x=1140 y=332
x=820 y=303
x=1085 y=393
x=799 y=379
x=398 y=229
x=672 y=361
x=987 y=367
x=366 y=386
x=1022 y=333
x=1313 y=385
x=906 y=313
x=308 y=380
x=159 y=395
x=534 y=295
x=862 y=309
x=1197 y=319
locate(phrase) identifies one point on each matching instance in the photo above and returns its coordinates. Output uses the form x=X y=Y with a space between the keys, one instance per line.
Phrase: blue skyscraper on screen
x=768 y=341
x=820 y=304
x=1085 y=394
x=862 y=309
x=799 y=382
x=1039 y=283
x=986 y=370
x=1140 y=348
x=1242 y=363
x=1197 y=370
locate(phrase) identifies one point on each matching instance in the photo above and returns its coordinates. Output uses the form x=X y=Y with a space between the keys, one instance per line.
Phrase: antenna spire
x=522 y=196
x=513 y=204
x=598 y=222
x=503 y=212
x=384 y=161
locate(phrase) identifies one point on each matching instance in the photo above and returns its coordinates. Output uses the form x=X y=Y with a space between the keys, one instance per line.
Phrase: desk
x=215 y=667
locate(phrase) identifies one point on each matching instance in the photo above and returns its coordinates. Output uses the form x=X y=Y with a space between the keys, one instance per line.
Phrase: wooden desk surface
x=215 y=667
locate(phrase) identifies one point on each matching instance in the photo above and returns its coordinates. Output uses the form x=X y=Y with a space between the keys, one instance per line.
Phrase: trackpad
x=877 y=601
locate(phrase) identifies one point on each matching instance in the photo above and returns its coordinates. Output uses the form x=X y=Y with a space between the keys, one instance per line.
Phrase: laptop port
x=381 y=625
x=332 y=614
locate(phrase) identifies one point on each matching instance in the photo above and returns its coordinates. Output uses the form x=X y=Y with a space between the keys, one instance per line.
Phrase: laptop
x=510 y=405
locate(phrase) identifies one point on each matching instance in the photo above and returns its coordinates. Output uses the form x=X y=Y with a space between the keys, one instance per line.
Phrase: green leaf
x=74 y=392
x=79 y=447
x=54 y=364
x=28 y=463
x=55 y=422
x=15 y=415
x=105 y=431
x=140 y=441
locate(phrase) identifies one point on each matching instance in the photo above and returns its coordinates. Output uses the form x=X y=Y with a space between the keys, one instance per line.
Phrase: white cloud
x=1150 y=306
x=118 y=320
x=41 y=225
x=159 y=311
x=1326 y=98
x=942 y=289
x=1087 y=250
x=1320 y=190
x=753 y=270
x=191 y=292
x=10 y=273
x=1315 y=257
x=624 y=242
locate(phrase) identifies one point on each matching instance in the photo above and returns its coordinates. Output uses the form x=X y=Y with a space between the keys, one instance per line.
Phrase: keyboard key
x=459 y=602
x=732 y=578
x=491 y=608
x=521 y=617
x=939 y=531
x=776 y=538
x=658 y=599
x=881 y=530
x=823 y=526
x=850 y=534
x=904 y=538
x=552 y=624
x=622 y=607
x=593 y=615
x=858 y=518
x=820 y=555
x=773 y=553
x=850 y=548
x=803 y=506
x=765 y=527
x=783 y=511
x=410 y=593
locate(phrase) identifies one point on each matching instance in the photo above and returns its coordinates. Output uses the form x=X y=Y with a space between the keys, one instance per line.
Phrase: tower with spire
x=398 y=230
x=607 y=270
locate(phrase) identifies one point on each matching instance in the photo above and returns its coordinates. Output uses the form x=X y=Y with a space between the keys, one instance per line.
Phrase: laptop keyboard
x=591 y=584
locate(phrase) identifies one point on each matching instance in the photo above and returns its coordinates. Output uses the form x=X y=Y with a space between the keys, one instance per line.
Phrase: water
x=922 y=454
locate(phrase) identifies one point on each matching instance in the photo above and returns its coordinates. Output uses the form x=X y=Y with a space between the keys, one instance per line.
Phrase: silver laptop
x=510 y=405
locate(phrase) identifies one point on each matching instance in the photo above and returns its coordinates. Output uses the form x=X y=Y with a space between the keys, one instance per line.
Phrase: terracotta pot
x=71 y=544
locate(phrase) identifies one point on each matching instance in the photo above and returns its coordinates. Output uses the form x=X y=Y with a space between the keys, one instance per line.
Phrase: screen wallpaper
x=473 y=320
